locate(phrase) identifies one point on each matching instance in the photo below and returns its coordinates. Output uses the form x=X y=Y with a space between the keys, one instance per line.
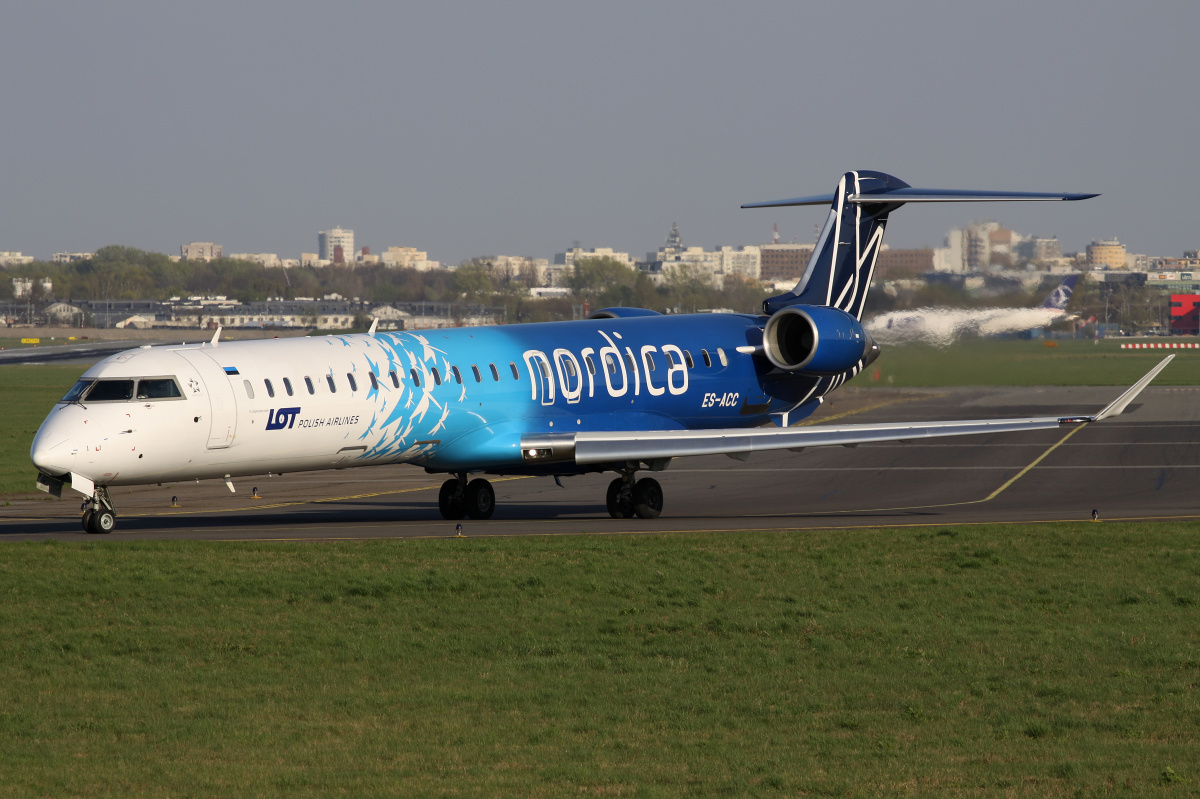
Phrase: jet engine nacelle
x=817 y=340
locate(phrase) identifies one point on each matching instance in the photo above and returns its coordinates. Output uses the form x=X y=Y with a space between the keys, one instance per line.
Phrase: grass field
x=1053 y=660
x=27 y=393
x=1011 y=362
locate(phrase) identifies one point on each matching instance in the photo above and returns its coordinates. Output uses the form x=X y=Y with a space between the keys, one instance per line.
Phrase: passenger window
x=475 y=370
x=395 y=379
x=158 y=388
x=111 y=391
x=332 y=385
x=308 y=382
x=437 y=376
x=670 y=358
x=270 y=388
x=721 y=356
x=416 y=378
x=249 y=389
x=650 y=367
x=516 y=374
x=629 y=360
x=687 y=356
x=568 y=364
x=590 y=364
x=545 y=370
x=374 y=380
x=457 y=374
x=495 y=372
x=287 y=386
x=707 y=360
x=353 y=383
x=610 y=363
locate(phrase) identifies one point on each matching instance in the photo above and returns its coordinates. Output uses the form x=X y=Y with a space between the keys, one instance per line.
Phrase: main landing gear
x=99 y=517
x=458 y=498
x=628 y=498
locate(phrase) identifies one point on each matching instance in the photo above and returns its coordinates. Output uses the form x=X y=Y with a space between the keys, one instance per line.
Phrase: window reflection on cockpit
x=77 y=391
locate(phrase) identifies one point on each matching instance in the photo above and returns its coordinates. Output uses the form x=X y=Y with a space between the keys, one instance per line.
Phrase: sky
x=520 y=128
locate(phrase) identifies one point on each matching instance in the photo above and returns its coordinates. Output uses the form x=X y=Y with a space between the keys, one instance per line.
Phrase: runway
x=1144 y=464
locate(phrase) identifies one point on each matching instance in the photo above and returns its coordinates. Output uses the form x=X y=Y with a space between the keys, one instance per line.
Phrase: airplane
x=943 y=326
x=626 y=390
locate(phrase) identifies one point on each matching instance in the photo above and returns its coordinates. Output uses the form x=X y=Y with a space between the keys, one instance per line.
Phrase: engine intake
x=816 y=340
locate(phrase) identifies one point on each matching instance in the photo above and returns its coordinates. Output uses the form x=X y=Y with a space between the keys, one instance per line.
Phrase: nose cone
x=52 y=452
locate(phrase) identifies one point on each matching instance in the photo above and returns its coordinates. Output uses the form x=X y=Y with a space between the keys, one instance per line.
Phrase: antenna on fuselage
x=216 y=336
x=374 y=324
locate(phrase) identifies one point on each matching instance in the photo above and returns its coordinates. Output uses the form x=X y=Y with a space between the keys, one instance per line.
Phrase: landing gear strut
x=627 y=498
x=99 y=518
x=459 y=498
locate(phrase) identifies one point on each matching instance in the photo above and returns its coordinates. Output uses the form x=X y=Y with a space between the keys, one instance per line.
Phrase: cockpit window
x=111 y=391
x=77 y=391
x=154 y=388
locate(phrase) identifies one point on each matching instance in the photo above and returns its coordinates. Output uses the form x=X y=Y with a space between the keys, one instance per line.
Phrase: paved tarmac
x=1144 y=464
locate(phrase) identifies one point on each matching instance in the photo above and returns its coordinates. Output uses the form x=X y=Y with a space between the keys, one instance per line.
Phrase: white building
x=408 y=258
x=950 y=258
x=23 y=286
x=267 y=259
x=9 y=258
x=512 y=267
x=329 y=240
x=569 y=257
x=200 y=251
x=72 y=257
x=713 y=265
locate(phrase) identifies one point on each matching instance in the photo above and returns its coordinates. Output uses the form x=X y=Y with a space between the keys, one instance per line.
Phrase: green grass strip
x=987 y=661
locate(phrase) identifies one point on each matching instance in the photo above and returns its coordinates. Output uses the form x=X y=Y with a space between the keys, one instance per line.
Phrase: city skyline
x=483 y=130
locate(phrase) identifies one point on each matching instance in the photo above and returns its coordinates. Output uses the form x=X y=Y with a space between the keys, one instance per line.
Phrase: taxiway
x=1144 y=464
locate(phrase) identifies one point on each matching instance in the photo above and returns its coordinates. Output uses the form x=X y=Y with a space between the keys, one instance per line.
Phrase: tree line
x=126 y=273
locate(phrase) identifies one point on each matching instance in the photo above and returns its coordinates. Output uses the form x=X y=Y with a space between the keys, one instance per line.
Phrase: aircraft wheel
x=452 y=500
x=103 y=522
x=619 y=499
x=87 y=520
x=480 y=499
x=647 y=498
x=100 y=522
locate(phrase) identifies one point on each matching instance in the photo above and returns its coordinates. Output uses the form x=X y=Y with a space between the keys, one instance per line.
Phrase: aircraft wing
x=651 y=445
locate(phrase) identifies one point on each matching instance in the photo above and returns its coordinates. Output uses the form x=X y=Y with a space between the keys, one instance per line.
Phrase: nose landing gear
x=100 y=518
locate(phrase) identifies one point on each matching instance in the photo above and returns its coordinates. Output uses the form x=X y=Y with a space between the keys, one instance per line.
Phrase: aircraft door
x=222 y=403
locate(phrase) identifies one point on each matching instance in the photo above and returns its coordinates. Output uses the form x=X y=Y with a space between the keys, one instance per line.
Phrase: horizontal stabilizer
x=909 y=194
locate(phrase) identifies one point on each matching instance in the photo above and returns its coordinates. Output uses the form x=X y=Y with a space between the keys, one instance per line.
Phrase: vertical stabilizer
x=1058 y=299
x=839 y=272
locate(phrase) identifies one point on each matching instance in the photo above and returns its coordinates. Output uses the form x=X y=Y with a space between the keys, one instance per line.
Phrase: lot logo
x=284 y=417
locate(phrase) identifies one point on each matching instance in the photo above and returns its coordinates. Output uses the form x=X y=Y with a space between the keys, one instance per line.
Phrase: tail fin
x=839 y=272
x=1059 y=298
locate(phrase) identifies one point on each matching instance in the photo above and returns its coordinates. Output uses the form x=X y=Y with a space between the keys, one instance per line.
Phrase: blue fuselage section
x=640 y=373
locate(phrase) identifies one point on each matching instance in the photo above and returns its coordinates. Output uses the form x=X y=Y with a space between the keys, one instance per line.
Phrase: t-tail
x=839 y=272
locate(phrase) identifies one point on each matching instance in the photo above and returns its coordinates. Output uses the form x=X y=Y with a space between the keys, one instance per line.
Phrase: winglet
x=374 y=324
x=216 y=336
x=1118 y=405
